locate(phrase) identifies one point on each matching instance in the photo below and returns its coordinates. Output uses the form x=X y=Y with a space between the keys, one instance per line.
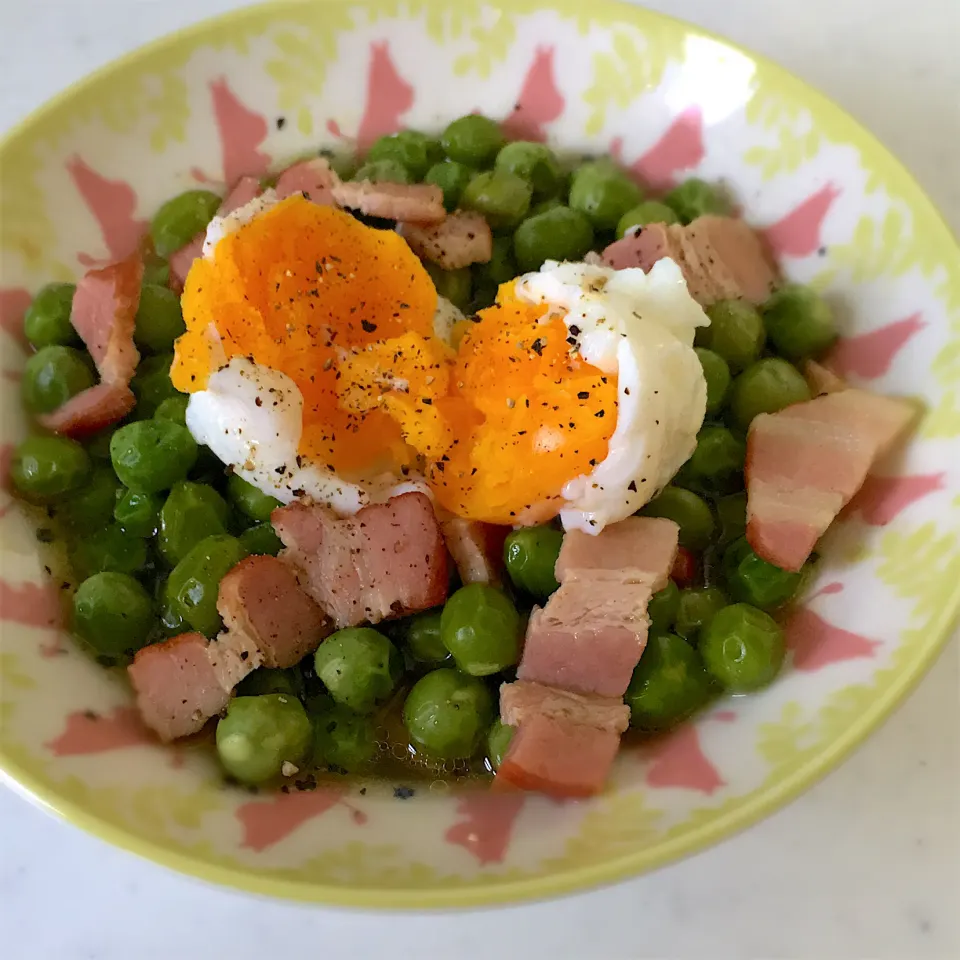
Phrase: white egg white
x=639 y=326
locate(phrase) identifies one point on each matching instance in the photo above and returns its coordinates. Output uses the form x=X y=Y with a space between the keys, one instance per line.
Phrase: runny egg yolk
x=295 y=289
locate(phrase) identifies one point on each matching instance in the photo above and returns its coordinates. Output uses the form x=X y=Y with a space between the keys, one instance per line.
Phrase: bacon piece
x=642 y=247
x=460 y=240
x=805 y=463
x=476 y=548
x=387 y=561
x=521 y=700
x=315 y=179
x=261 y=599
x=821 y=379
x=91 y=410
x=182 y=682
x=408 y=202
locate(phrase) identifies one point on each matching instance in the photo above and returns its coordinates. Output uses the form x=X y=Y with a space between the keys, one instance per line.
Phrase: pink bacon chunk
x=521 y=700
x=805 y=463
x=387 y=561
x=460 y=240
x=104 y=313
x=313 y=178
x=407 y=202
x=260 y=599
x=183 y=682
x=476 y=549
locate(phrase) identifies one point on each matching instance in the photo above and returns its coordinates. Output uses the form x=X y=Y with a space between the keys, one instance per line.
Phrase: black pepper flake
x=583 y=395
x=632 y=486
x=426 y=400
x=600 y=414
x=258 y=401
x=574 y=329
x=281 y=122
x=537 y=347
x=404 y=793
x=368 y=326
x=45 y=535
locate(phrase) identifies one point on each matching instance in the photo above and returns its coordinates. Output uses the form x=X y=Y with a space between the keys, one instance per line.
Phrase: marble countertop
x=864 y=865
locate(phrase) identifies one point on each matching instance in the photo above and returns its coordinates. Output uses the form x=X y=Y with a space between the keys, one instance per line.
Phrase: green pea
x=266 y=680
x=452 y=178
x=743 y=648
x=668 y=685
x=413 y=150
x=604 y=199
x=259 y=735
x=108 y=549
x=502 y=198
x=159 y=319
x=768 y=386
x=173 y=409
x=484 y=295
x=359 y=666
x=753 y=580
x=191 y=512
x=534 y=163
x=557 y=234
x=472 y=140
x=45 y=468
x=97 y=445
x=717 y=374
x=152 y=455
x=650 y=211
x=454 y=285
x=600 y=168
x=732 y=516
x=250 y=500
x=343 y=740
x=501 y=267
x=423 y=639
x=696 y=608
x=551 y=203
x=481 y=628
x=530 y=555
x=447 y=714
x=716 y=465
x=113 y=613
x=179 y=220
x=382 y=171
x=262 y=540
x=662 y=608
x=498 y=742
x=696 y=198
x=799 y=322
x=689 y=511
x=47 y=320
x=156 y=271
x=53 y=375
x=90 y=507
x=736 y=333
x=152 y=385
x=192 y=587
x=138 y=513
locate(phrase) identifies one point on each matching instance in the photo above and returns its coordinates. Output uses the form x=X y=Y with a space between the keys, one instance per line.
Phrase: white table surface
x=865 y=865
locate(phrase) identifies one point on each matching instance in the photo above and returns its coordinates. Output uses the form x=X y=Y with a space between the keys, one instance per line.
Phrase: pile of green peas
x=152 y=522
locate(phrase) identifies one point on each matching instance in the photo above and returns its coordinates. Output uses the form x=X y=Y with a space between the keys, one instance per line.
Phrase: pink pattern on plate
x=487 y=824
x=678 y=760
x=113 y=204
x=13 y=305
x=870 y=355
x=539 y=102
x=241 y=131
x=798 y=234
x=31 y=604
x=267 y=822
x=680 y=148
x=816 y=643
x=882 y=498
x=87 y=732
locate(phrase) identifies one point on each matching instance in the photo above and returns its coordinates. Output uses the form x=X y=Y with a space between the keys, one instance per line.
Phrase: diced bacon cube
x=476 y=549
x=463 y=238
x=315 y=179
x=407 y=202
x=521 y=700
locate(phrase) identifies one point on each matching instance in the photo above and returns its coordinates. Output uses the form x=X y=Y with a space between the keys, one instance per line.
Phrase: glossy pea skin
x=190 y=593
x=415 y=151
x=47 y=320
x=451 y=177
x=696 y=198
x=716 y=372
x=732 y=516
x=259 y=735
x=382 y=171
x=359 y=666
x=502 y=198
x=481 y=627
x=689 y=511
x=662 y=608
x=498 y=742
x=557 y=234
x=45 y=468
x=151 y=384
x=650 y=211
x=447 y=714
x=342 y=739
x=150 y=456
x=266 y=680
x=191 y=512
x=696 y=607
x=261 y=539
x=138 y=513
x=453 y=285
x=535 y=163
x=422 y=638
x=742 y=648
x=736 y=333
x=472 y=140
x=53 y=375
x=530 y=556
x=90 y=507
x=716 y=465
x=173 y=409
x=156 y=271
x=109 y=549
x=799 y=322
x=159 y=319
x=181 y=218
x=769 y=385
x=250 y=500
x=604 y=198
x=753 y=580
x=112 y=613
x=668 y=685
